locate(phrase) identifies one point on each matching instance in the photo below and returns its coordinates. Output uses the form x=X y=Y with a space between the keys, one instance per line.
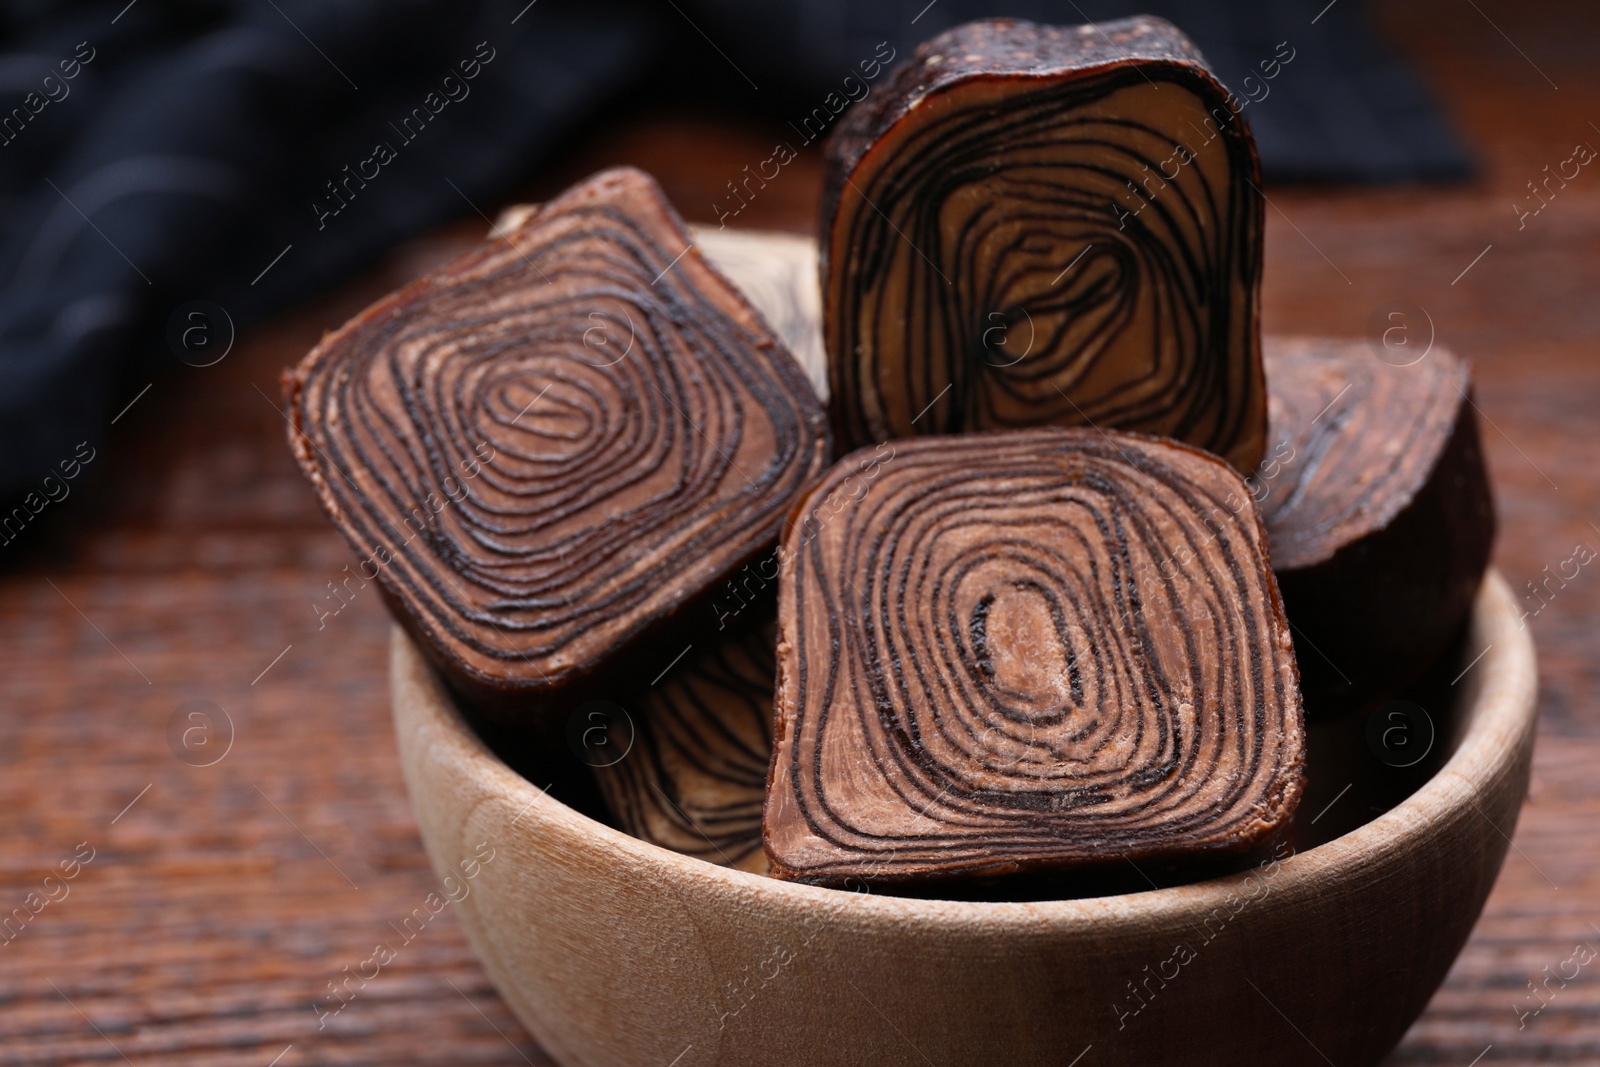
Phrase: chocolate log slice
x=1042 y=225
x=695 y=778
x=1378 y=512
x=555 y=445
x=992 y=663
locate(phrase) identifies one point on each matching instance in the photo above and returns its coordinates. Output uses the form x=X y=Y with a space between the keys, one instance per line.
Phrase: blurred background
x=192 y=192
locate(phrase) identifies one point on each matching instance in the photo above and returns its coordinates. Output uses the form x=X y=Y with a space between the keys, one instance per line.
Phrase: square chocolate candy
x=1025 y=651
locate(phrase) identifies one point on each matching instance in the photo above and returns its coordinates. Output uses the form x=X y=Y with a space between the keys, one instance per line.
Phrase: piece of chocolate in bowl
x=1040 y=225
x=1378 y=511
x=694 y=778
x=558 y=445
x=1024 y=652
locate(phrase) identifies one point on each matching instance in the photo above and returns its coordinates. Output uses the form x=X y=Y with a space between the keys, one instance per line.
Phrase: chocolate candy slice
x=557 y=444
x=1028 y=650
x=1378 y=512
x=694 y=779
x=1043 y=225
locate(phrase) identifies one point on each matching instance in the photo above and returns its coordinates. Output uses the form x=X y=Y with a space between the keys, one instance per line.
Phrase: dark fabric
x=249 y=153
x=1343 y=109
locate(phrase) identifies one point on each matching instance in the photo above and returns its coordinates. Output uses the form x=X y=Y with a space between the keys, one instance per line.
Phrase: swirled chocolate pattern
x=695 y=778
x=1029 y=650
x=1378 y=511
x=776 y=272
x=558 y=443
x=1039 y=225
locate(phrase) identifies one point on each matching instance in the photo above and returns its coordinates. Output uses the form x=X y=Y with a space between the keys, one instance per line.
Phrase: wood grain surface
x=190 y=563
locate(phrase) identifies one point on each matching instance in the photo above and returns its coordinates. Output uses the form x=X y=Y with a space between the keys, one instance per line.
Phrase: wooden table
x=221 y=900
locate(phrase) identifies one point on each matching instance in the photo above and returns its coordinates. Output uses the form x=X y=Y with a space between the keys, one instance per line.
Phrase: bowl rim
x=1500 y=693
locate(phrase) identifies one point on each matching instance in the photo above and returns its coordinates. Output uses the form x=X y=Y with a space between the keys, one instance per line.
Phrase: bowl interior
x=1352 y=779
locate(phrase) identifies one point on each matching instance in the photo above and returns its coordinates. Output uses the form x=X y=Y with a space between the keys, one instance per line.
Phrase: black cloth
x=246 y=154
x=1343 y=109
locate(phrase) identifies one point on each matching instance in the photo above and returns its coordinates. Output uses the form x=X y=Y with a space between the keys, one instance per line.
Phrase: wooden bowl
x=614 y=951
